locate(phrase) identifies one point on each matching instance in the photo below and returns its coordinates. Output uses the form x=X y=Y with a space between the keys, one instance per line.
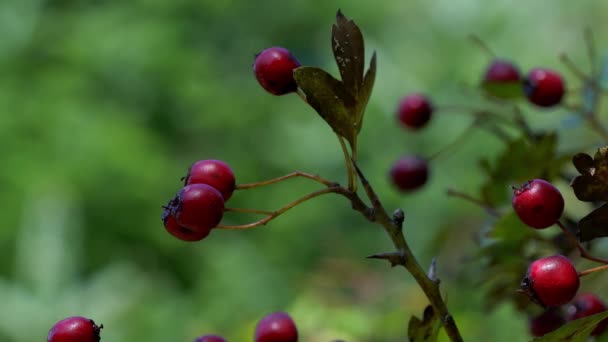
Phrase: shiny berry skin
x=409 y=173
x=585 y=305
x=212 y=172
x=545 y=323
x=198 y=207
x=502 y=71
x=210 y=338
x=75 y=329
x=180 y=232
x=273 y=68
x=544 y=87
x=538 y=203
x=414 y=111
x=551 y=281
x=276 y=327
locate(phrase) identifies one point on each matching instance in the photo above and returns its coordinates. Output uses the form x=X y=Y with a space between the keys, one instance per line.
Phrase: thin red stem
x=592 y=270
x=249 y=211
x=286 y=177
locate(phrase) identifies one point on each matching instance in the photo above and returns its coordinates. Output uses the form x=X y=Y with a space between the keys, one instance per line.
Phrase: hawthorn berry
x=212 y=172
x=501 y=71
x=588 y=304
x=198 y=207
x=414 y=111
x=276 y=327
x=273 y=68
x=551 y=281
x=544 y=87
x=546 y=322
x=210 y=338
x=409 y=173
x=538 y=203
x=75 y=329
x=180 y=232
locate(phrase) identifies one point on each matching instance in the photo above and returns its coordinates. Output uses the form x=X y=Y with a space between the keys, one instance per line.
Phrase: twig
x=285 y=177
x=581 y=249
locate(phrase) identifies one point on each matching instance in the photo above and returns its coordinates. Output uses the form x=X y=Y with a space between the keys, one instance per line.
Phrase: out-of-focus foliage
x=104 y=105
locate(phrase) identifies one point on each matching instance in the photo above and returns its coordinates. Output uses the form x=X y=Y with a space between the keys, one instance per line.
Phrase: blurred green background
x=105 y=104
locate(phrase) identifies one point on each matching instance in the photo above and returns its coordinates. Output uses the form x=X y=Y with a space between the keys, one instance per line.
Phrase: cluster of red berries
x=199 y=206
x=551 y=281
x=543 y=87
x=275 y=327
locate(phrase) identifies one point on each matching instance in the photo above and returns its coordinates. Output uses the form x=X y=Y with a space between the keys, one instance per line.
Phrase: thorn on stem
x=398 y=216
x=432 y=274
x=395 y=258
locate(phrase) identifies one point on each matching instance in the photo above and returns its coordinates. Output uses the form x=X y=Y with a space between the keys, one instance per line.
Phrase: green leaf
x=575 y=331
x=503 y=90
x=330 y=99
x=349 y=52
x=594 y=225
x=592 y=184
x=520 y=161
x=341 y=103
x=425 y=330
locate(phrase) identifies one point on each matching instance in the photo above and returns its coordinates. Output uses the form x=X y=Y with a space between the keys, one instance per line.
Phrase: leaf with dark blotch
x=330 y=99
x=575 y=331
x=592 y=184
x=349 y=52
x=425 y=330
x=594 y=225
x=503 y=90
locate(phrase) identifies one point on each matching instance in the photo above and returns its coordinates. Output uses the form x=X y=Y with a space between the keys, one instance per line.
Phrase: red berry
x=409 y=173
x=74 y=329
x=210 y=338
x=180 y=232
x=585 y=305
x=546 y=322
x=198 y=207
x=276 y=327
x=212 y=172
x=273 y=68
x=538 y=203
x=414 y=111
x=544 y=87
x=501 y=71
x=551 y=281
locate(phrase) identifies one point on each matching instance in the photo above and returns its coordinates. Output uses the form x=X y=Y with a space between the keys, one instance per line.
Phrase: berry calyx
x=215 y=173
x=276 y=327
x=538 y=203
x=198 y=207
x=551 y=281
x=501 y=71
x=273 y=68
x=409 y=173
x=75 y=329
x=180 y=232
x=414 y=111
x=210 y=338
x=544 y=87
x=546 y=322
x=588 y=304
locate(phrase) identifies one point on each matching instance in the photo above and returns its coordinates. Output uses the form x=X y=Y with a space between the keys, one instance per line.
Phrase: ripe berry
x=276 y=327
x=409 y=173
x=538 y=203
x=198 y=207
x=74 y=329
x=180 y=232
x=585 y=305
x=210 y=338
x=414 y=111
x=273 y=68
x=544 y=87
x=212 y=172
x=546 y=322
x=551 y=281
x=501 y=71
